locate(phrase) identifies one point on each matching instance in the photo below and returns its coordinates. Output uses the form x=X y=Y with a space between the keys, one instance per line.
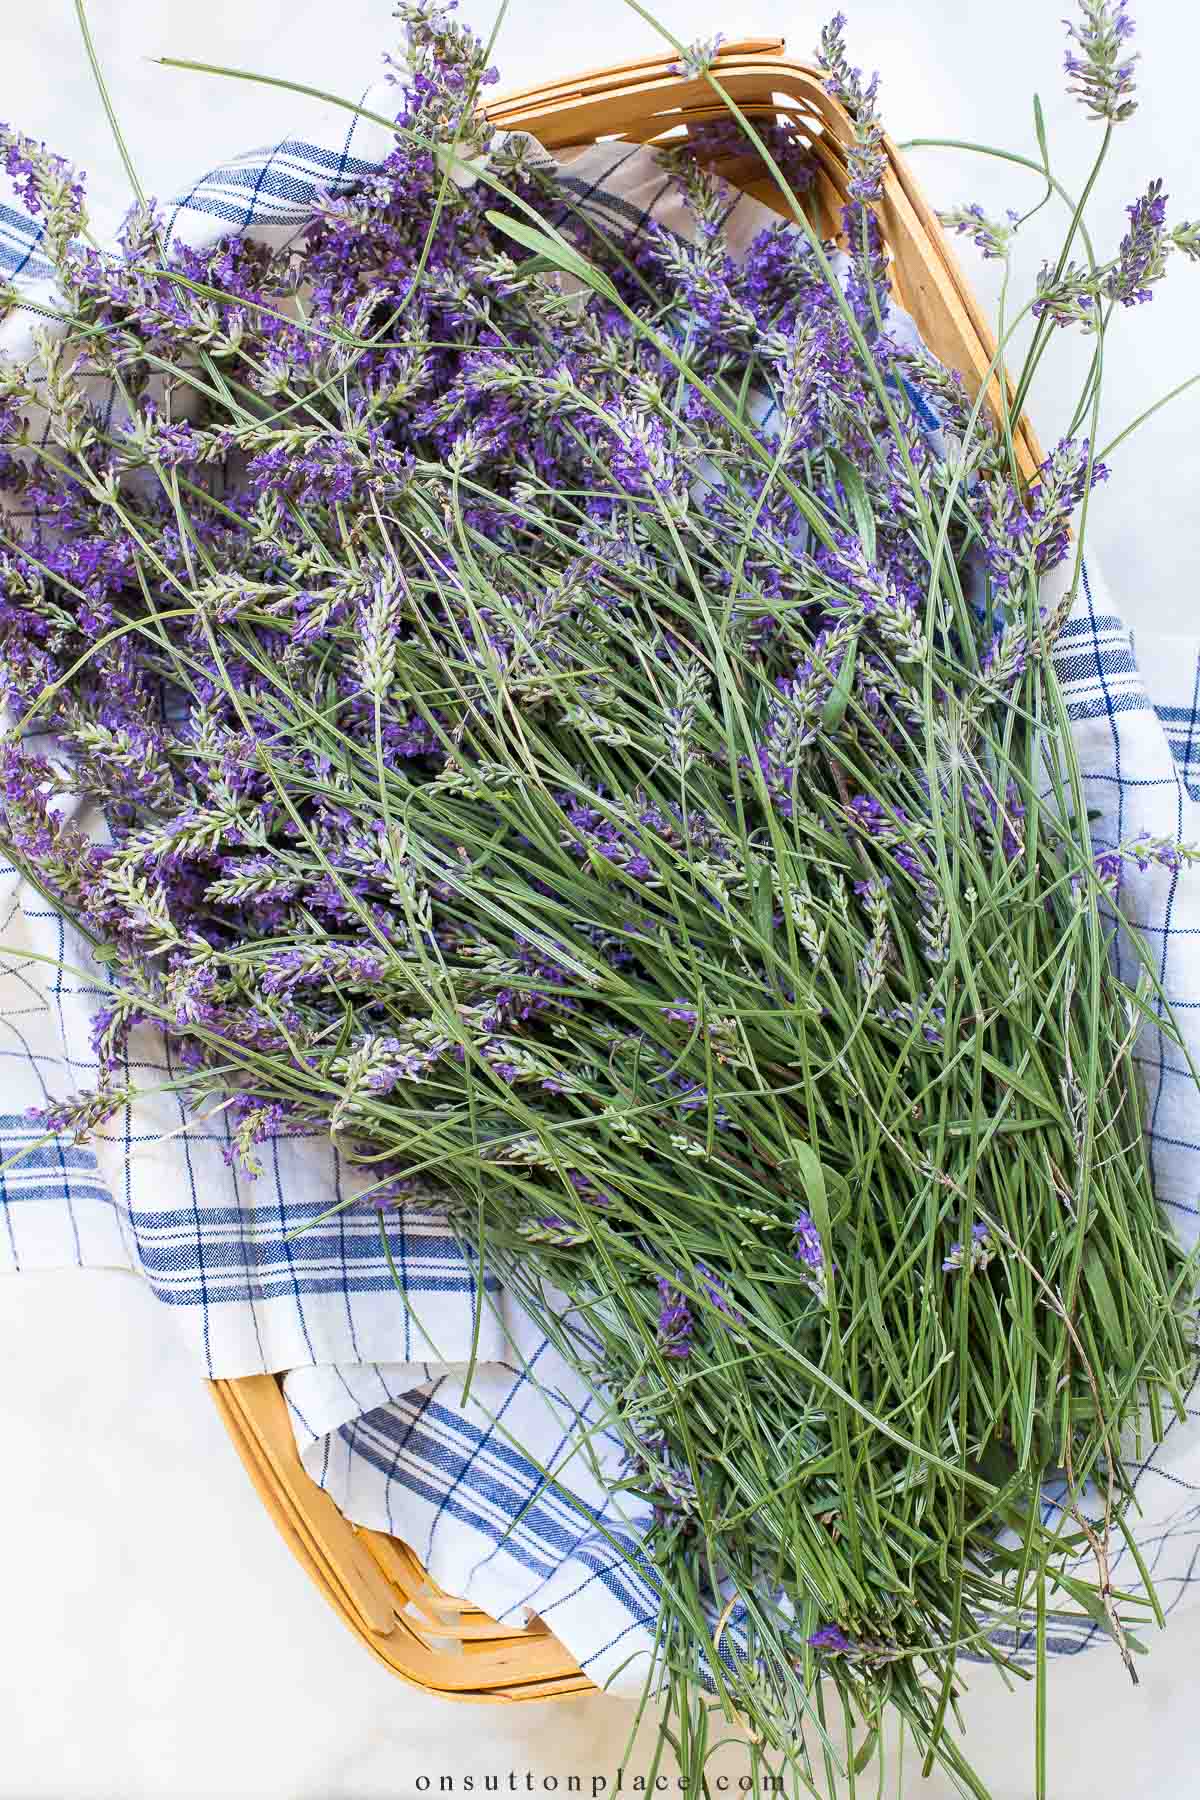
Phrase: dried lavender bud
x=888 y=826
x=379 y=1063
x=703 y=280
x=150 y=438
x=1108 y=865
x=73 y=421
x=1147 y=851
x=867 y=284
x=321 y=964
x=874 y=591
x=254 y=878
x=642 y=461
x=809 y=1249
x=601 y=727
x=254 y=1123
x=843 y=82
x=121 y=760
x=995 y=819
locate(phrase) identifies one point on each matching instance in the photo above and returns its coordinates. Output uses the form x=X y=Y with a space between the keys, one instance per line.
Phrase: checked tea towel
x=506 y=1495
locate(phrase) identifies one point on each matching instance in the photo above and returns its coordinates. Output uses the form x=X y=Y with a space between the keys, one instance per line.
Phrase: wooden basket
x=375 y=1582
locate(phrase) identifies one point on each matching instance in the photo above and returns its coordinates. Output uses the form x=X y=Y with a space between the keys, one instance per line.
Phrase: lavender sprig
x=1143 y=257
x=699 y=56
x=990 y=236
x=1101 y=71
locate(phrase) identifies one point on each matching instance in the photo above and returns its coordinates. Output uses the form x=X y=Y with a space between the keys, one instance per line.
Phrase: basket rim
x=582 y=107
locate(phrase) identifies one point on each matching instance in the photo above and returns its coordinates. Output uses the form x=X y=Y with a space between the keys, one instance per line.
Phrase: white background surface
x=156 y=1638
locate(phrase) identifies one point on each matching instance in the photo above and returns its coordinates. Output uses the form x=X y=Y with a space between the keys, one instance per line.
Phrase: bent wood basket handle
x=374 y=1582
x=646 y=101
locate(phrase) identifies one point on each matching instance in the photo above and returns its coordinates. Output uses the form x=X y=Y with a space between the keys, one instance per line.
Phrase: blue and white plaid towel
x=504 y=1497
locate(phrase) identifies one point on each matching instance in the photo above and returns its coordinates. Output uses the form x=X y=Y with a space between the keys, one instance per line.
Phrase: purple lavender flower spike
x=866 y=166
x=843 y=82
x=718 y=1294
x=1143 y=255
x=682 y=1012
x=809 y=1251
x=1147 y=852
x=1070 y=296
x=1108 y=865
x=978 y=1255
x=699 y=57
x=588 y=1190
x=78 y=1116
x=831 y=1640
x=989 y=235
x=675 y=1324
x=48 y=187
x=1029 y=533
x=1101 y=76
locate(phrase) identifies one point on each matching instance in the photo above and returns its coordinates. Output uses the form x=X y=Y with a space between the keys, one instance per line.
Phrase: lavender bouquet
x=574 y=717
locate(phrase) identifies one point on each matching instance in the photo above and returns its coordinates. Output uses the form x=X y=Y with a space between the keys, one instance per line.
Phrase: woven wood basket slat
x=375 y=1583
